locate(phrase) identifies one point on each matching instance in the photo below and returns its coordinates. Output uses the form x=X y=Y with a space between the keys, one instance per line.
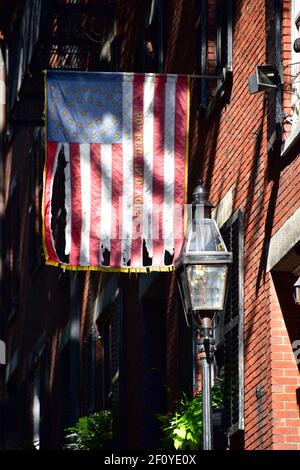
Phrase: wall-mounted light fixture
x=265 y=78
x=297 y=291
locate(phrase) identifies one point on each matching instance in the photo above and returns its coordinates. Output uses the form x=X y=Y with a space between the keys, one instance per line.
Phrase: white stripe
x=106 y=206
x=127 y=201
x=2 y=84
x=68 y=200
x=85 y=174
x=148 y=162
x=169 y=170
x=2 y=92
x=51 y=191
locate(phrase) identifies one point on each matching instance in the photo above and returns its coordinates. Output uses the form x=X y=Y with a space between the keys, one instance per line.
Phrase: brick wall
x=233 y=153
x=285 y=379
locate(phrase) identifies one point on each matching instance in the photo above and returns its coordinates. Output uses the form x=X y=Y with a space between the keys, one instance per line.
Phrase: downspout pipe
x=278 y=98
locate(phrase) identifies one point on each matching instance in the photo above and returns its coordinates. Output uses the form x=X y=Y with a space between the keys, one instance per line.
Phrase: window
x=215 y=40
x=28 y=23
x=109 y=351
x=149 y=54
x=230 y=330
x=110 y=331
x=61 y=35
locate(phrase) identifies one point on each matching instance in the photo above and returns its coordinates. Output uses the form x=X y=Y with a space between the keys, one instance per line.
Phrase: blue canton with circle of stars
x=84 y=107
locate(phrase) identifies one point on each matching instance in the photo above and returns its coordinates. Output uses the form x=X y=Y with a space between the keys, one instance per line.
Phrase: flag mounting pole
x=212 y=77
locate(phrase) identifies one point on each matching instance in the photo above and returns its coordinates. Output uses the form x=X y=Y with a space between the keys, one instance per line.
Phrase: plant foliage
x=182 y=427
x=91 y=432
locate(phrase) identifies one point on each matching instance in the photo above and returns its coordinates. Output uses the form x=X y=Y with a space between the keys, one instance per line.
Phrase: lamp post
x=204 y=279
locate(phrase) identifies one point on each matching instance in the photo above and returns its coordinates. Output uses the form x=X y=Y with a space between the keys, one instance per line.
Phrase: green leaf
x=177 y=444
x=181 y=432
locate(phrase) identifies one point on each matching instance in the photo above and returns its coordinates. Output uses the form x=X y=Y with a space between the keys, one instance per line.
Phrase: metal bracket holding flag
x=123 y=138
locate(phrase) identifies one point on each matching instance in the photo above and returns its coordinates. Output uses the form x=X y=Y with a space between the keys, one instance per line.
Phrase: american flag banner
x=123 y=138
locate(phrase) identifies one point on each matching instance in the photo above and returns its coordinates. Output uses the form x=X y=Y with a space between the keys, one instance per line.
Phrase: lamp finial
x=200 y=196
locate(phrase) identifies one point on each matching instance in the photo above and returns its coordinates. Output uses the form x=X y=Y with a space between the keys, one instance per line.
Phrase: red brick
x=278 y=422
x=278 y=438
x=287 y=430
x=285 y=414
x=281 y=446
x=284 y=380
x=278 y=389
x=277 y=405
x=292 y=439
x=278 y=356
x=277 y=372
x=289 y=357
x=291 y=372
x=286 y=365
x=291 y=405
x=285 y=397
x=293 y=422
x=291 y=389
x=277 y=324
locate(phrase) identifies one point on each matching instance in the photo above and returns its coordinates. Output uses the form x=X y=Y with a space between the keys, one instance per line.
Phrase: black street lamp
x=204 y=279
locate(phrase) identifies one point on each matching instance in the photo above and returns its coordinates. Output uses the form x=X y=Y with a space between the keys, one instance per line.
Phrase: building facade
x=80 y=342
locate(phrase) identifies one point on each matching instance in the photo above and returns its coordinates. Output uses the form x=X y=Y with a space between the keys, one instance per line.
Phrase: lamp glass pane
x=207 y=284
x=204 y=236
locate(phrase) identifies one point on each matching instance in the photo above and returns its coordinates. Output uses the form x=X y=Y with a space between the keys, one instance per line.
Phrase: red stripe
x=95 y=159
x=76 y=204
x=117 y=185
x=49 y=177
x=158 y=169
x=180 y=159
x=138 y=169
